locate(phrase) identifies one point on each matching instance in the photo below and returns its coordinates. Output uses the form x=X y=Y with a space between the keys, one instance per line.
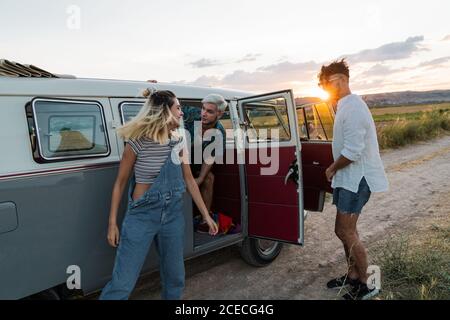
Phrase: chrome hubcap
x=266 y=247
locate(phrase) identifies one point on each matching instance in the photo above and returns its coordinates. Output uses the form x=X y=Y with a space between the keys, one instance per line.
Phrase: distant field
x=386 y=116
x=409 y=109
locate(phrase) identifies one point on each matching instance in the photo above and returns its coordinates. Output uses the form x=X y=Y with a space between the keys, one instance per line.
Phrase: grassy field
x=401 y=110
x=398 y=126
x=382 y=116
x=403 y=116
x=415 y=265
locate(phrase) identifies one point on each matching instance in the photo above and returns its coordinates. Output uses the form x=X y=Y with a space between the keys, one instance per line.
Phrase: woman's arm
x=125 y=170
x=195 y=193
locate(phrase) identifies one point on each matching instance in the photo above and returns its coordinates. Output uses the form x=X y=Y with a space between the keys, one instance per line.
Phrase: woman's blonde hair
x=153 y=119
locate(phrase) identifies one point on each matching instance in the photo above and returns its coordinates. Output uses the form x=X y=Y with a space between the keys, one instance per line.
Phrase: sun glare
x=319 y=93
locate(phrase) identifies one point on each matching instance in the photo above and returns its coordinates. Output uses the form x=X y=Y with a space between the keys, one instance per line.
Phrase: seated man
x=208 y=138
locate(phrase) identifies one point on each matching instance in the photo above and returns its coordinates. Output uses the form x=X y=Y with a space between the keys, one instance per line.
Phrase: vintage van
x=60 y=155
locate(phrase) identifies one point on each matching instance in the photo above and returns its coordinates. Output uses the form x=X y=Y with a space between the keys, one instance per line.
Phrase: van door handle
x=290 y=172
x=316 y=163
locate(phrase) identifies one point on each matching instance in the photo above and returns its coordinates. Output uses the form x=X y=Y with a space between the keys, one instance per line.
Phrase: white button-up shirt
x=355 y=137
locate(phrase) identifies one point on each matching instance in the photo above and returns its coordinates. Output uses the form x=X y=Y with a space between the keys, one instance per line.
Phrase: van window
x=265 y=118
x=71 y=133
x=68 y=129
x=327 y=119
x=315 y=128
x=192 y=112
x=303 y=132
x=128 y=110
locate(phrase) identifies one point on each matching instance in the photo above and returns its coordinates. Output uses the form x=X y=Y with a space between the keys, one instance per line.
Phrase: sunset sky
x=253 y=45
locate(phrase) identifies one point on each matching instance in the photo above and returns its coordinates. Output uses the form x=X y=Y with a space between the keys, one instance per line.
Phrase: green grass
x=415 y=269
x=402 y=116
x=413 y=127
x=409 y=108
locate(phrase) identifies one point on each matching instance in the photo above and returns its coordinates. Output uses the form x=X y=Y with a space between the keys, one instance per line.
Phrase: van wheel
x=259 y=252
x=49 y=294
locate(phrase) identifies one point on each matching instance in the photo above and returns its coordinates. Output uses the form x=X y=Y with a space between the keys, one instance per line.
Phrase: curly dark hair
x=334 y=68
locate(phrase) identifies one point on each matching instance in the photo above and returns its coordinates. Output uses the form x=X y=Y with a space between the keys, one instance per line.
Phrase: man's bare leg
x=360 y=257
x=351 y=272
x=207 y=190
x=355 y=252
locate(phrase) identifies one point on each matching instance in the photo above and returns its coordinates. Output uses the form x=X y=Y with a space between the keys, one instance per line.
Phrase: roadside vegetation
x=416 y=266
x=409 y=125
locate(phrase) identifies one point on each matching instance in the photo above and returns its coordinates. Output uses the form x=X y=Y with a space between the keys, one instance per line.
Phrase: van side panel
x=57 y=212
x=61 y=222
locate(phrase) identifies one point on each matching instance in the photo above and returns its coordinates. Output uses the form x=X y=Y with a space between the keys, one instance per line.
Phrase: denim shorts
x=351 y=202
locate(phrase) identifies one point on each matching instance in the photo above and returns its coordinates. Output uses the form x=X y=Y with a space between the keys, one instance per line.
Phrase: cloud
x=374 y=65
x=249 y=58
x=377 y=70
x=289 y=67
x=369 y=85
x=439 y=62
x=212 y=81
x=272 y=77
x=380 y=70
x=390 y=51
x=205 y=63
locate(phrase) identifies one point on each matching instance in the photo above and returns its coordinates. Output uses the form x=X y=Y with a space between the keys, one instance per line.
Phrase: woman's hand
x=213 y=228
x=192 y=187
x=113 y=235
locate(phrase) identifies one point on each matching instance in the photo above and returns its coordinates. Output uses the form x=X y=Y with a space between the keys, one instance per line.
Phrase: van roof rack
x=14 y=69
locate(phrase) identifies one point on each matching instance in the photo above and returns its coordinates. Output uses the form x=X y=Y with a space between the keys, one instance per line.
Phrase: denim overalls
x=158 y=215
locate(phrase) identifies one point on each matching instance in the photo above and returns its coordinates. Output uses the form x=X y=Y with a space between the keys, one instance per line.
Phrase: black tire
x=258 y=252
x=67 y=294
x=49 y=294
x=60 y=292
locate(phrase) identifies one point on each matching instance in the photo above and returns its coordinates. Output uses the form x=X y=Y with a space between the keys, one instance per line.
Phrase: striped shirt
x=150 y=157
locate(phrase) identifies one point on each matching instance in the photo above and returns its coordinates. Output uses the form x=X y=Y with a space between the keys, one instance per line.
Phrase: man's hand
x=330 y=172
x=339 y=164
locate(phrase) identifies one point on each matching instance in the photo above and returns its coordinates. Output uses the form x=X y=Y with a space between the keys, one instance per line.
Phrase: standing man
x=356 y=172
x=206 y=132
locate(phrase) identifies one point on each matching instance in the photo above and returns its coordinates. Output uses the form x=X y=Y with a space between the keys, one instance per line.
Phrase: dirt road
x=419 y=177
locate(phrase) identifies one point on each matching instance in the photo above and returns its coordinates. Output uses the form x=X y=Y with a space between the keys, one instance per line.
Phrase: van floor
x=203 y=238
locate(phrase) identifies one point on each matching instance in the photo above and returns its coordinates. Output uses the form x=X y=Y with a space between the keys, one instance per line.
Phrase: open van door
x=274 y=202
x=315 y=122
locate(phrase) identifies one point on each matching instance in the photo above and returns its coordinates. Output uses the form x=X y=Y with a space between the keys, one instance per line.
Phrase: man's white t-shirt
x=355 y=137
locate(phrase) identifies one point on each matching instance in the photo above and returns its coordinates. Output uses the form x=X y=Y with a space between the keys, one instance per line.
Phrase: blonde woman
x=155 y=207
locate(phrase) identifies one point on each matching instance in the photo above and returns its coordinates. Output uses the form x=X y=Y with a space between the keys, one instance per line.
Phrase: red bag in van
x=225 y=223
